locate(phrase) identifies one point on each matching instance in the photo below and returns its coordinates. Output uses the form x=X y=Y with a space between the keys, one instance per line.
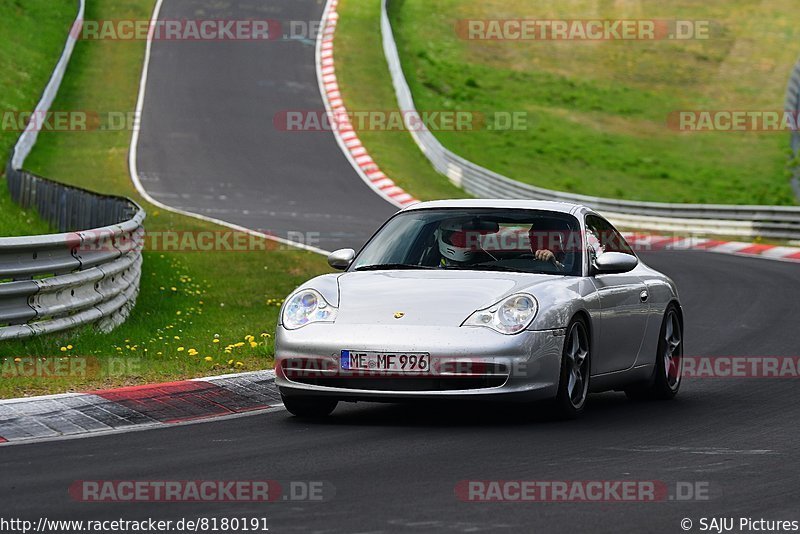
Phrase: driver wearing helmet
x=459 y=245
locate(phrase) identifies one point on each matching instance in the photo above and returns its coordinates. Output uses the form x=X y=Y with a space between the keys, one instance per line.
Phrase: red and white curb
x=642 y=242
x=138 y=407
x=344 y=132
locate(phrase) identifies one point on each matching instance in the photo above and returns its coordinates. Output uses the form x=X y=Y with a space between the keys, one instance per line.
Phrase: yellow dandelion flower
x=215 y=341
x=209 y=359
x=253 y=344
x=63 y=349
x=180 y=349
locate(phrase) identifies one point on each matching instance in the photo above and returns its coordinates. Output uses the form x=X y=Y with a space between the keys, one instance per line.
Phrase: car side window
x=601 y=237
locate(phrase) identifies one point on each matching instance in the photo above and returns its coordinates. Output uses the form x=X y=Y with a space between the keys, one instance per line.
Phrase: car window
x=602 y=237
x=477 y=239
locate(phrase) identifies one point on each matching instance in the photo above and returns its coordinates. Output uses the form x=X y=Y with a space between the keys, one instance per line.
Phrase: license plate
x=405 y=362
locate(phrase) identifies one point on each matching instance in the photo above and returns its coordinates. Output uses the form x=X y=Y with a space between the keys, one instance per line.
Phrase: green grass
x=597 y=111
x=366 y=86
x=15 y=221
x=39 y=29
x=191 y=295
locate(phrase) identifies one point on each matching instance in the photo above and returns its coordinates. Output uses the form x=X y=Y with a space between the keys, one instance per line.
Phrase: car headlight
x=509 y=316
x=305 y=307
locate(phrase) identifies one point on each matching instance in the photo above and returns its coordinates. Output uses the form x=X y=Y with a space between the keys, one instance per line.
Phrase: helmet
x=459 y=242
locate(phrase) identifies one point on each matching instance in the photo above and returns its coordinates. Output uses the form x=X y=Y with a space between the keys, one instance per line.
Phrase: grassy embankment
x=34 y=33
x=597 y=110
x=187 y=298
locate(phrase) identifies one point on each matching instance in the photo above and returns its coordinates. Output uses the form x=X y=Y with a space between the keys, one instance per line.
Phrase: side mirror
x=614 y=262
x=342 y=258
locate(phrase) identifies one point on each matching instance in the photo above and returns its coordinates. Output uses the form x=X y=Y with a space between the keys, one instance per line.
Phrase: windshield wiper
x=391 y=266
x=485 y=267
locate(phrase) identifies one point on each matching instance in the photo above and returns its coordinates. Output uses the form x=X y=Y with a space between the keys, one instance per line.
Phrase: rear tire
x=666 y=380
x=576 y=367
x=309 y=407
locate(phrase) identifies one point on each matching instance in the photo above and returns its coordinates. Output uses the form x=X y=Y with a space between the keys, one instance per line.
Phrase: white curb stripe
x=347 y=139
x=134 y=171
x=751 y=250
x=780 y=252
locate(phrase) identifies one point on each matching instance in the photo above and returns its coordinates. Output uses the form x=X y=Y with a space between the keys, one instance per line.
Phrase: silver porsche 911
x=482 y=299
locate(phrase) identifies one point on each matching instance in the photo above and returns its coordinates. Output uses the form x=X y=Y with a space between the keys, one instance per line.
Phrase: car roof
x=547 y=205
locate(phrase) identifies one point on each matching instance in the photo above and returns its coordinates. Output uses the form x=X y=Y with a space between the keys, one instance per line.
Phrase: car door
x=623 y=302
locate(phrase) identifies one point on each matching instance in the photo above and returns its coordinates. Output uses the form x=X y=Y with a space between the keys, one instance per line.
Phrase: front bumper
x=469 y=362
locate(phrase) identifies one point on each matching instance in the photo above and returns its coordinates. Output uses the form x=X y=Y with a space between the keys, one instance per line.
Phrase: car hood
x=425 y=297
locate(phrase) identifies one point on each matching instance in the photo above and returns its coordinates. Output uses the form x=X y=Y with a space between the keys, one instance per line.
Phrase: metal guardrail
x=793 y=104
x=50 y=283
x=89 y=273
x=781 y=222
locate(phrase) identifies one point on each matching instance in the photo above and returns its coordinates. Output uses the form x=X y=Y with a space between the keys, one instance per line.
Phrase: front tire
x=309 y=407
x=576 y=367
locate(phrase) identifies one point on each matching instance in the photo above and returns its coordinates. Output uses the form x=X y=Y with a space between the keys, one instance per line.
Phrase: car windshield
x=513 y=240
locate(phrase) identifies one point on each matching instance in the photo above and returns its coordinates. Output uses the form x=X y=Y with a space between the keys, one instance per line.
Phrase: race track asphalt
x=210 y=142
x=394 y=468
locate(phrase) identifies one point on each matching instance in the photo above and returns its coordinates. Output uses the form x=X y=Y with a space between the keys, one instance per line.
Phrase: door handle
x=644 y=295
